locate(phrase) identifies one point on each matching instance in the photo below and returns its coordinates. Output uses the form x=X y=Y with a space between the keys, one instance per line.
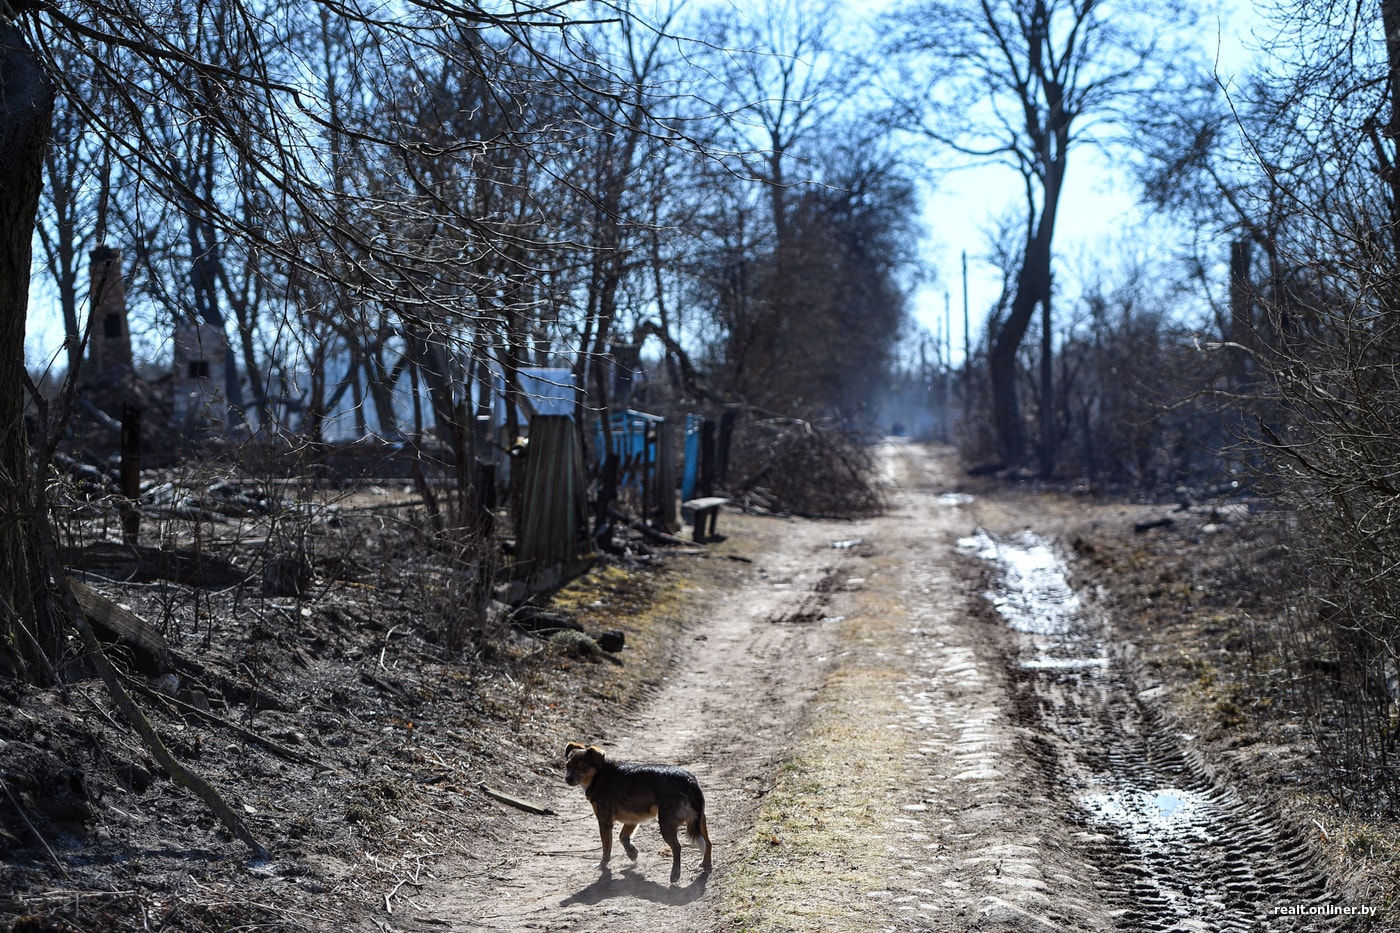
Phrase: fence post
x=131 y=473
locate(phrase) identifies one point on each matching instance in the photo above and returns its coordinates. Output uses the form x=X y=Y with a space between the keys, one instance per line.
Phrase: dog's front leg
x=605 y=826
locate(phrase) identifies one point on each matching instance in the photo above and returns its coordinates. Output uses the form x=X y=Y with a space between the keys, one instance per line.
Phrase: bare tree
x=239 y=77
x=1320 y=124
x=1024 y=83
x=32 y=624
x=77 y=191
x=783 y=74
x=616 y=215
x=782 y=231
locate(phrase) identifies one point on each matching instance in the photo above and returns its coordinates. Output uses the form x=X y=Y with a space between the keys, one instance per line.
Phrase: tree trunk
x=381 y=384
x=313 y=420
x=431 y=358
x=63 y=261
x=30 y=627
x=1390 y=21
x=1241 y=332
x=257 y=380
x=1031 y=285
x=1032 y=289
x=1049 y=447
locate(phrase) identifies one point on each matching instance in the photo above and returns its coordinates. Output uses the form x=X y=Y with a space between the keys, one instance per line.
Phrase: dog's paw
x=631 y=850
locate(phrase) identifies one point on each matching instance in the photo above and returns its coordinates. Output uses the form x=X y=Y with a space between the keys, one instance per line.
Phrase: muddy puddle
x=1178 y=848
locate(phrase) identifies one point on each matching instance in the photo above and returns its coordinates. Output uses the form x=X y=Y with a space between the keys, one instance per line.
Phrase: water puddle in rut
x=1179 y=849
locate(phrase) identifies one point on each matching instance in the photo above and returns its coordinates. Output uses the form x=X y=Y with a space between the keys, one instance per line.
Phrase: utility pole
x=967 y=333
x=967 y=348
x=947 y=354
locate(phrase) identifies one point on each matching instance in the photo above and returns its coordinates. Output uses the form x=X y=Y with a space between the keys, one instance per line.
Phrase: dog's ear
x=571 y=747
x=596 y=752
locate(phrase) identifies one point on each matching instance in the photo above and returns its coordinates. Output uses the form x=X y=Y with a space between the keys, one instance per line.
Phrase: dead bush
x=789 y=465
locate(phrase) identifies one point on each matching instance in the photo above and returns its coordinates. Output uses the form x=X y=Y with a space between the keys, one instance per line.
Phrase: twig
x=32 y=828
x=516 y=802
x=387 y=636
x=373 y=681
x=293 y=912
x=63 y=894
x=388 y=907
x=100 y=711
x=248 y=734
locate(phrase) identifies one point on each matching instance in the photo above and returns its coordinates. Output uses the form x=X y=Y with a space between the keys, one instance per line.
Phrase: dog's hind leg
x=625 y=837
x=668 y=832
x=704 y=833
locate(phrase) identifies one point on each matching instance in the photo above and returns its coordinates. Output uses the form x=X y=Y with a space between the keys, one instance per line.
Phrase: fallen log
x=123 y=626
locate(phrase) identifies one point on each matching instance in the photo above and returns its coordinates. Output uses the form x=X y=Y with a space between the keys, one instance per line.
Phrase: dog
x=626 y=793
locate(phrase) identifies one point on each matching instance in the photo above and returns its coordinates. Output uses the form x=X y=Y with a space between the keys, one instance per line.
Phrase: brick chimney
x=109 y=345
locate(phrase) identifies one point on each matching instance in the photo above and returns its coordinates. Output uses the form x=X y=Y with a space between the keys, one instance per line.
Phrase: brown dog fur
x=626 y=793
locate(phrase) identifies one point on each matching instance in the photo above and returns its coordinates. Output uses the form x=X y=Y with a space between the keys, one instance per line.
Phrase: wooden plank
x=705 y=503
x=121 y=623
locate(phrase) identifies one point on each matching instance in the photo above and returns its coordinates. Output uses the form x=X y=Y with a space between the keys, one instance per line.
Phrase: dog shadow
x=629 y=882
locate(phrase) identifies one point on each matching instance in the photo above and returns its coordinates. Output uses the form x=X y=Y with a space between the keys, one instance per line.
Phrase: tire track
x=1178 y=848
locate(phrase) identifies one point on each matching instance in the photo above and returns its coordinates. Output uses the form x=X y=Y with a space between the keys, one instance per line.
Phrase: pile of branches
x=796 y=467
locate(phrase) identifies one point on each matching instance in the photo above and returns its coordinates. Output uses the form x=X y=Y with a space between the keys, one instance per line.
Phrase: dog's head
x=581 y=763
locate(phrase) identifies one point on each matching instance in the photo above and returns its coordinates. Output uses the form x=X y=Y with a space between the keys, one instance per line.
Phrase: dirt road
x=883 y=747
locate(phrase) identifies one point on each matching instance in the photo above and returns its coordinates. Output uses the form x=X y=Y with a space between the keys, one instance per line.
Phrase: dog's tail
x=695 y=815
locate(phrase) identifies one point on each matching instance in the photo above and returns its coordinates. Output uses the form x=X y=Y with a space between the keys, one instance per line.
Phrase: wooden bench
x=706 y=512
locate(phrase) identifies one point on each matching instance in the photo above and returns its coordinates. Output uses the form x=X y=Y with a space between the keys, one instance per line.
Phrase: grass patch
x=821 y=835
